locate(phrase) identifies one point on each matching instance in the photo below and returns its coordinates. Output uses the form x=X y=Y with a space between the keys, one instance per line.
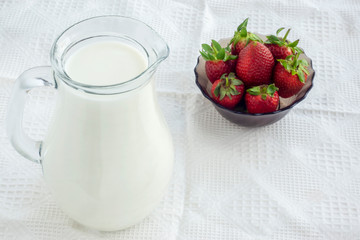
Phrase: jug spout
x=162 y=54
x=155 y=47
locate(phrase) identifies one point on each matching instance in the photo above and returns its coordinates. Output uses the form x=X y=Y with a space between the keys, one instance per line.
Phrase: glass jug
x=108 y=153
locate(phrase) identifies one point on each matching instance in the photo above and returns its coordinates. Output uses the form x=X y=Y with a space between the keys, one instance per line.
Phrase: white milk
x=107 y=158
x=105 y=63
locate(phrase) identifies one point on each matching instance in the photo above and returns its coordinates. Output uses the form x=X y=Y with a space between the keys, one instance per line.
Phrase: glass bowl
x=238 y=115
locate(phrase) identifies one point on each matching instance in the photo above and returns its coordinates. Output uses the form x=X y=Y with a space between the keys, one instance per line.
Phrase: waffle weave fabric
x=296 y=179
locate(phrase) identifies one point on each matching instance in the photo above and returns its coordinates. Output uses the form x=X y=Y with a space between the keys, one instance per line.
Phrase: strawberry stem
x=286 y=34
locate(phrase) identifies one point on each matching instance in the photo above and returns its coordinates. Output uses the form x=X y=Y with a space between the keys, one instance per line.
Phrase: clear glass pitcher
x=108 y=153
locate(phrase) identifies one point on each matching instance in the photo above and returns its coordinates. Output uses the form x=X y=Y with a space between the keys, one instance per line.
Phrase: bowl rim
x=204 y=93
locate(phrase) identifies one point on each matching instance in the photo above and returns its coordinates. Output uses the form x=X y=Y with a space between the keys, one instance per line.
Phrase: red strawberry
x=262 y=99
x=280 y=47
x=241 y=38
x=290 y=75
x=218 y=60
x=228 y=90
x=279 y=52
x=255 y=64
x=232 y=64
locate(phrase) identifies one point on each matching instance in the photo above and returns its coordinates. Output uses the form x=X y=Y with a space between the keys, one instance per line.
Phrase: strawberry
x=228 y=90
x=290 y=75
x=218 y=60
x=255 y=64
x=262 y=99
x=241 y=38
x=280 y=47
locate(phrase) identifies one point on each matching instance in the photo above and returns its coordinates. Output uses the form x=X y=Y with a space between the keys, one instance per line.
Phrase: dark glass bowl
x=238 y=115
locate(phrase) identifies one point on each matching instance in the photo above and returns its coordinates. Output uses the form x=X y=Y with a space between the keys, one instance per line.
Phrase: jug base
x=111 y=227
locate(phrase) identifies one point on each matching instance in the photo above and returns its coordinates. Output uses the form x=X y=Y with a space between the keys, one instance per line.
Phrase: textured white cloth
x=296 y=179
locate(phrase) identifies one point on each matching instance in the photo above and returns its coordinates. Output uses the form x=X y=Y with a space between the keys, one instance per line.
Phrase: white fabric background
x=296 y=179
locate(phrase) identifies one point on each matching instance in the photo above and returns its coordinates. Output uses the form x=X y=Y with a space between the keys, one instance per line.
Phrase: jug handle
x=31 y=78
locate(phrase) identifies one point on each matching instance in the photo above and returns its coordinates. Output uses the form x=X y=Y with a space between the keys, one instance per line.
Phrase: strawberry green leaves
x=272 y=39
x=263 y=90
x=227 y=86
x=216 y=52
x=206 y=48
x=243 y=25
x=294 y=44
x=216 y=45
x=254 y=90
x=255 y=38
x=271 y=89
x=279 y=30
x=241 y=34
x=294 y=65
x=217 y=91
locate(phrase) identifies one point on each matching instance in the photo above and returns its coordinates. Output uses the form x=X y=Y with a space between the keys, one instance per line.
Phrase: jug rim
x=116 y=88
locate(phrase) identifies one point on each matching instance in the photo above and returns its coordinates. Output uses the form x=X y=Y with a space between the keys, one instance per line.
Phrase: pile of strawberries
x=254 y=73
